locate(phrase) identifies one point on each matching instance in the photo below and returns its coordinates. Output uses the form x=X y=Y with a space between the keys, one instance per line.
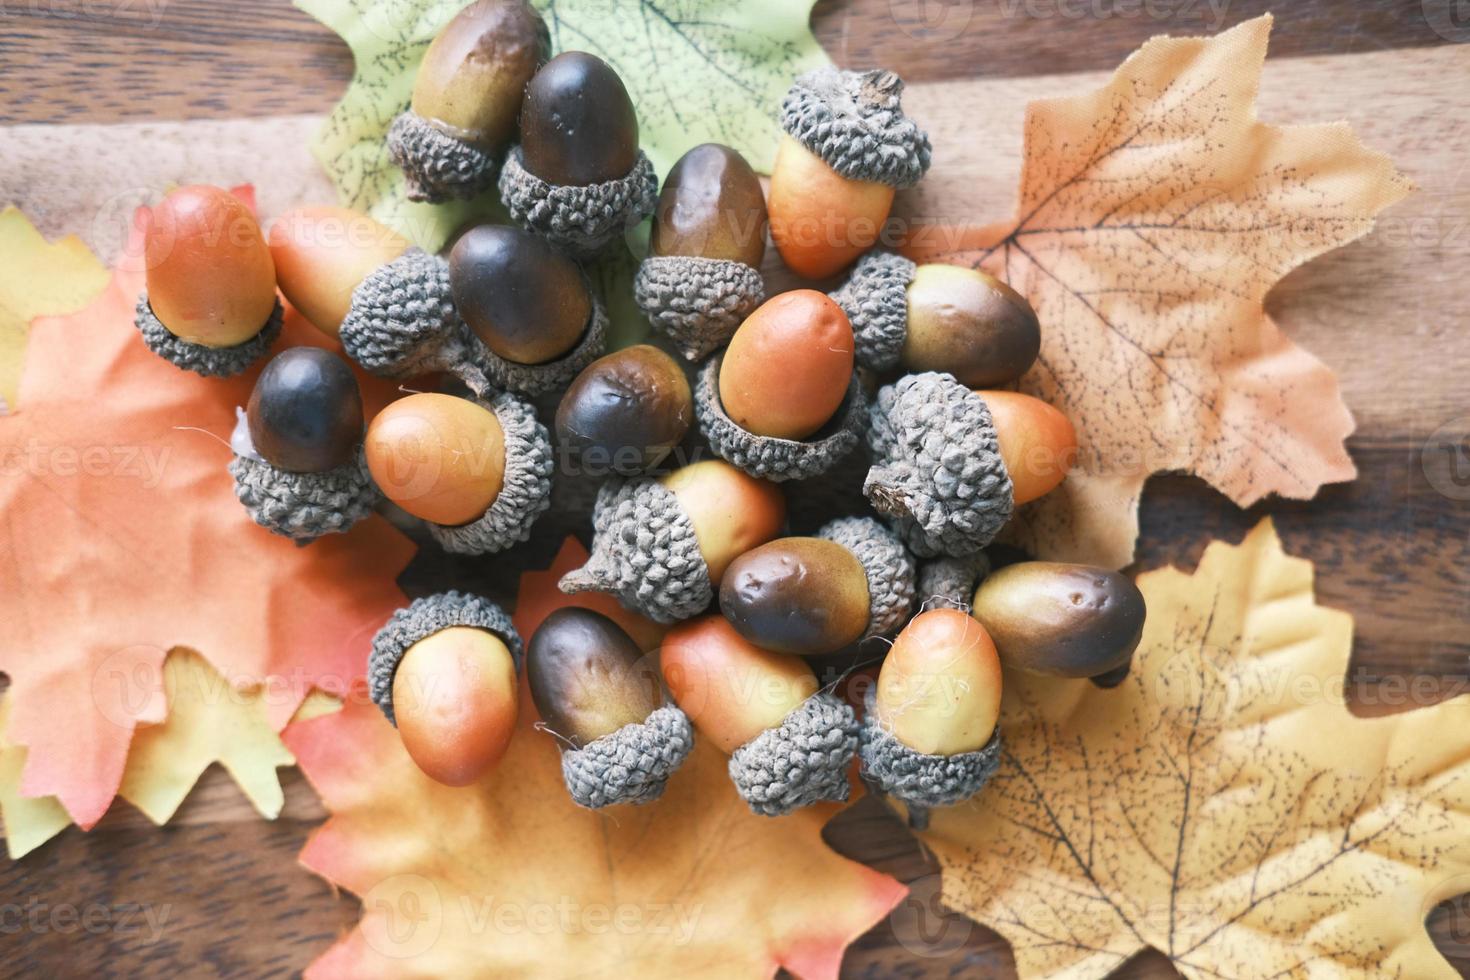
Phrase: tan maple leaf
x=1222 y=806
x=1154 y=216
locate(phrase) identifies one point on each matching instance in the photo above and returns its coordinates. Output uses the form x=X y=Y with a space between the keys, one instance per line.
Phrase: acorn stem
x=885 y=497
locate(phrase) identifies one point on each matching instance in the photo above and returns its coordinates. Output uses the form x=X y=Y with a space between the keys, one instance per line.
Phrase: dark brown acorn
x=527 y=303
x=305 y=413
x=625 y=411
x=969 y=324
x=711 y=207
x=805 y=596
x=578 y=126
x=588 y=677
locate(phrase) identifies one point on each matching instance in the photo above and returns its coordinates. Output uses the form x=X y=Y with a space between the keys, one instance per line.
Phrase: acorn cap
x=402 y=321
x=876 y=301
x=304 y=506
x=937 y=469
x=578 y=221
x=423 y=618
x=769 y=457
x=436 y=166
x=951 y=582
x=919 y=780
x=631 y=765
x=887 y=565
x=644 y=552
x=525 y=493
x=698 y=302
x=854 y=121
x=800 y=761
x=537 y=379
x=209 y=362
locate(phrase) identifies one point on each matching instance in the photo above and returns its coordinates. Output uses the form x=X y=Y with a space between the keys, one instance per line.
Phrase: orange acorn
x=321 y=254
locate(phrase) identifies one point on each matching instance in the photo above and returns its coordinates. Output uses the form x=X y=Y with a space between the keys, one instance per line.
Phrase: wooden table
x=1389 y=313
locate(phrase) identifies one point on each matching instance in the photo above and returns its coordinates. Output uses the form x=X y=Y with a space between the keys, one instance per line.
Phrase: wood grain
x=1388 y=313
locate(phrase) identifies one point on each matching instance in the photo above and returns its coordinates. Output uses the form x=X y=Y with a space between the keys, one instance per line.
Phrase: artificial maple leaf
x=29 y=823
x=697 y=71
x=124 y=539
x=508 y=877
x=1221 y=806
x=1154 y=216
x=37 y=278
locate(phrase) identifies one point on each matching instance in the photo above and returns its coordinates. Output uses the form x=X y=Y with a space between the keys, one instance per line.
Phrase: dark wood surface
x=1392 y=547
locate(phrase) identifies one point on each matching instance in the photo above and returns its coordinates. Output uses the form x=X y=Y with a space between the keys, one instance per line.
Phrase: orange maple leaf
x=123 y=539
x=509 y=878
x=1154 y=216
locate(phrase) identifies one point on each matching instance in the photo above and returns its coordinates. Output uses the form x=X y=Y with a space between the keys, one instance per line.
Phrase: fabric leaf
x=1154 y=216
x=509 y=878
x=29 y=823
x=1222 y=806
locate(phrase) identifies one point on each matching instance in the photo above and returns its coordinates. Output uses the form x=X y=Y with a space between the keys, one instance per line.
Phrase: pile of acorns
x=911 y=360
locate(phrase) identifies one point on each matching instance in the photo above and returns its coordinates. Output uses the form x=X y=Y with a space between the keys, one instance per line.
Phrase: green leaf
x=698 y=71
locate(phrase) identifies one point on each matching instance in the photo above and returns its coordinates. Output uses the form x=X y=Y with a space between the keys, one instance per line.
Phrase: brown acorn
x=322 y=254
x=625 y=411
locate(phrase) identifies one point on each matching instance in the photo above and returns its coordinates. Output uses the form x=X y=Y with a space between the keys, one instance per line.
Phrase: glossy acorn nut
x=789 y=743
x=322 y=254
x=209 y=304
x=466 y=99
x=297 y=465
x=947 y=318
x=479 y=472
x=929 y=732
x=1063 y=619
x=443 y=671
x=625 y=412
x=813 y=596
x=847 y=148
x=578 y=177
x=661 y=546
x=950 y=464
x=702 y=274
x=597 y=691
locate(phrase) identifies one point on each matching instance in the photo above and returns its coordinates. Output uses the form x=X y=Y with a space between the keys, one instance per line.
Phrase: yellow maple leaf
x=29 y=823
x=37 y=278
x=1221 y=806
x=1154 y=216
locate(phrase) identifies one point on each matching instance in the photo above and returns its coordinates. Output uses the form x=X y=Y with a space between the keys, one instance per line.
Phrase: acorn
x=789 y=743
x=950 y=464
x=813 y=596
x=578 y=178
x=702 y=274
x=209 y=302
x=597 y=692
x=929 y=735
x=1063 y=619
x=478 y=472
x=937 y=317
x=661 y=546
x=847 y=147
x=782 y=401
x=466 y=99
x=533 y=320
x=625 y=412
x=443 y=672
x=402 y=322
x=298 y=464
x=322 y=254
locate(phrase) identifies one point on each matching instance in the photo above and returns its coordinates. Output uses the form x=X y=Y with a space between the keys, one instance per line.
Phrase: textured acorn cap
x=887 y=565
x=919 y=780
x=304 y=506
x=854 y=121
x=876 y=301
x=423 y=618
x=525 y=493
x=630 y=765
x=950 y=582
x=402 y=321
x=937 y=469
x=800 y=761
x=644 y=552
x=436 y=166
x=210 y=362
x=578 y=221
x=537 y=379
x=768 y=457
x=698 y=302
